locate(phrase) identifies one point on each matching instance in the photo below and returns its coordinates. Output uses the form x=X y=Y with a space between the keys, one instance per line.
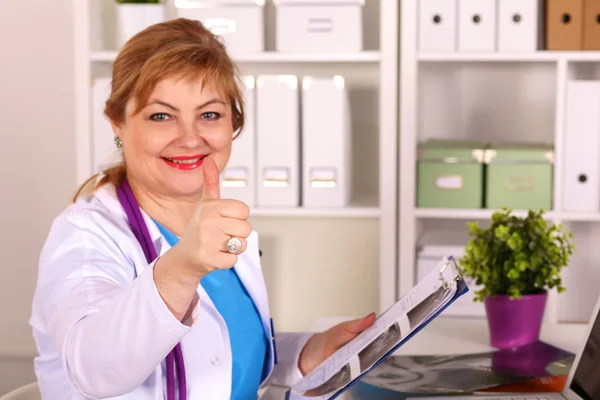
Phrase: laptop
x=583 y=382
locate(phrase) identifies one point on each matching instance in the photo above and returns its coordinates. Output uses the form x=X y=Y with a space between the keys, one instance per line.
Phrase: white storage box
x=134 y=18
x=326 y=137
x=239 y=178
x=239 y=23
x=318 y=26
x=428 y=258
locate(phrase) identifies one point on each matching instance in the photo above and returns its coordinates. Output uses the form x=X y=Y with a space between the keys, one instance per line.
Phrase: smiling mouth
x=185 y=163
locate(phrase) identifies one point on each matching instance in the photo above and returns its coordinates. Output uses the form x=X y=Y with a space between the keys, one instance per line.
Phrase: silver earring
x=118 y=142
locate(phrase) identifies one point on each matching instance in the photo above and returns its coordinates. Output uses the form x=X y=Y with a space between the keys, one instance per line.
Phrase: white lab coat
x=102 y=330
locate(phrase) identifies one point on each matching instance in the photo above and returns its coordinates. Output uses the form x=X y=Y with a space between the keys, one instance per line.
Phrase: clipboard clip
x=455 y=269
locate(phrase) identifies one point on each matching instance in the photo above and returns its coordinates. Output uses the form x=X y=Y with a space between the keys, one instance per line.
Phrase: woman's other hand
x=322 y=345
x=203 y=245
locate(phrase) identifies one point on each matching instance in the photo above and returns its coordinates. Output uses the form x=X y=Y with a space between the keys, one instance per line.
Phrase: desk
x=447 y=335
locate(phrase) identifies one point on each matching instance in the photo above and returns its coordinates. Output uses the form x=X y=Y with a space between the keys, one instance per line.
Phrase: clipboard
x=394 y=327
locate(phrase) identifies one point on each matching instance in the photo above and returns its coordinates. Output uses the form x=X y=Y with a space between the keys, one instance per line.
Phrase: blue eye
x=211 y=115
x=159 y=117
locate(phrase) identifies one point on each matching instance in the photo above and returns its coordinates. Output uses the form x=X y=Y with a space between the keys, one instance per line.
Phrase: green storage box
x=450 y=174
x=519 y=176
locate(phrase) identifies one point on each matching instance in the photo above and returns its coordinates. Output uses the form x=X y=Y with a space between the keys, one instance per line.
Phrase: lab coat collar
x=248 y=269
x=107 y=195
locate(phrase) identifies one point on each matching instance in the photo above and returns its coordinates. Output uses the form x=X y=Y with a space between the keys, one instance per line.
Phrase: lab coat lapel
x=249 y=271
x=108 y=197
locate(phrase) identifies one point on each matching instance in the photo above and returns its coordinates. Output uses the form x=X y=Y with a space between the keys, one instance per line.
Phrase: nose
x=189 y=135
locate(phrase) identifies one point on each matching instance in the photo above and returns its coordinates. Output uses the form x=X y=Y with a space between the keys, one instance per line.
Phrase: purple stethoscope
x=140 y=230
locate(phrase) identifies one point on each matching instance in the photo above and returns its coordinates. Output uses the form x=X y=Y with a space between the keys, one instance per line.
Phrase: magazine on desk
x=424 y=302
x=528 y=368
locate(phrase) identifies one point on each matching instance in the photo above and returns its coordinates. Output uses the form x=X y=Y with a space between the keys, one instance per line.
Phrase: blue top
x=247 y=336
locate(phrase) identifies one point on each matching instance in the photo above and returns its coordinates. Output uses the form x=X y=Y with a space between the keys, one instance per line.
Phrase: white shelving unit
x=536 y=56
x=372 y=79
x=454 y=213
x=269 y=57
x=514 y=96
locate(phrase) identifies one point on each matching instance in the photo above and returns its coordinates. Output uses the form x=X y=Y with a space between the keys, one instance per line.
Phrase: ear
x=117 y=128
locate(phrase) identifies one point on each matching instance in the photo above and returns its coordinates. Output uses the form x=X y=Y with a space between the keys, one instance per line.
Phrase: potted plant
x=135 y=16
x=515 y=261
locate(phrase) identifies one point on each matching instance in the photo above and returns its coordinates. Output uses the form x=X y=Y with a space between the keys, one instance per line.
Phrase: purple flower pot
x=514 y=323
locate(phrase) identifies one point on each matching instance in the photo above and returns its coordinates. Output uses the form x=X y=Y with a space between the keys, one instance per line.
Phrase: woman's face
x=164 y=145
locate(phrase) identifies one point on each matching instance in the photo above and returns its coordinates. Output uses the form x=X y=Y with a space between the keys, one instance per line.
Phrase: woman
x=150 y=284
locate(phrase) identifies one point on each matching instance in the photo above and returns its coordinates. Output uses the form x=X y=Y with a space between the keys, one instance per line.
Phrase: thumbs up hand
x=214 y=223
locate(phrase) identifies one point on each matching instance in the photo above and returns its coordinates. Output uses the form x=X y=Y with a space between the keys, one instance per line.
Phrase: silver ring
x=234 y=245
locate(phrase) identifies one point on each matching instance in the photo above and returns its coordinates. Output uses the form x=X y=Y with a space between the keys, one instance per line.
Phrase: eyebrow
x=209 y=102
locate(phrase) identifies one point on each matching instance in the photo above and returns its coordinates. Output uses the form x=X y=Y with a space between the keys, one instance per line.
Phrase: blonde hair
x=179 y=48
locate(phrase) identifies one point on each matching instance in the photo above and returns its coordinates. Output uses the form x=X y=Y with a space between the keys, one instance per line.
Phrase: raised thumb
x=211 y=185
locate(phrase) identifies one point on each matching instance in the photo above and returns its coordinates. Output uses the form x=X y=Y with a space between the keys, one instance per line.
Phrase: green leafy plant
x=516 y=256
x=139 y=1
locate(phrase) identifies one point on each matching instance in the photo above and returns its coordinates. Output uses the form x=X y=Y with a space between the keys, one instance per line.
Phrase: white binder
x=476 y=25
x=326 y=139
x=104 y=152
x=238 y=178
x=278 y=140
x=437 y=25
x=518 y=25
x=582 y=147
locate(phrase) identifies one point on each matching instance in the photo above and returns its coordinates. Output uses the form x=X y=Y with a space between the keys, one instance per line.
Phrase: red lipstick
x=185 y=163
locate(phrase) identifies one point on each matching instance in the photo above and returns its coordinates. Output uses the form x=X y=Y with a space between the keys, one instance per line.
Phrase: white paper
x=390 y=329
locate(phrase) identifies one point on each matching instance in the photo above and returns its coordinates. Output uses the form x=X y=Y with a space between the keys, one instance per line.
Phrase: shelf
x=459 y=213
x=538 y=56
x=347 y=212
x=103 y=56
x=275 y=57
x=580 y=216
x=497 y=96
x=593 y=56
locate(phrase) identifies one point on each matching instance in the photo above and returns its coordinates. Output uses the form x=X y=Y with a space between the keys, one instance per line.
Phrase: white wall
x=36 y=166
x=318 y=267
x=308 y=267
